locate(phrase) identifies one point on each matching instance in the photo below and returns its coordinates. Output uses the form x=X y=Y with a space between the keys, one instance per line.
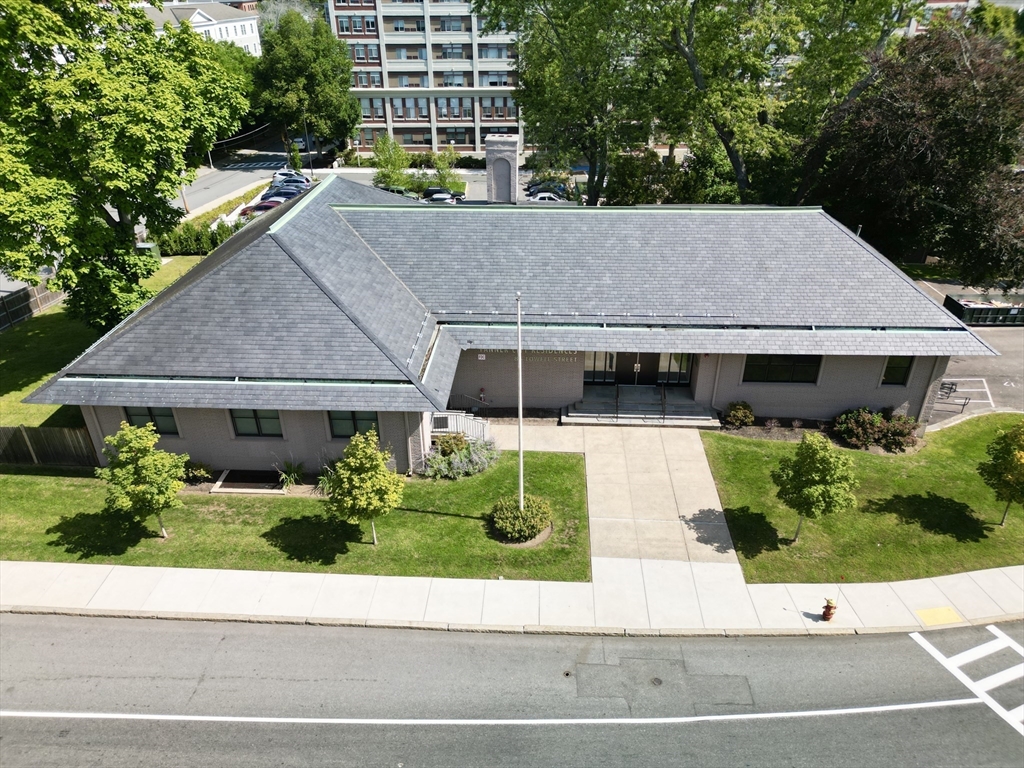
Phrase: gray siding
x=206 y=435
x=843 y=382
x=550 y=379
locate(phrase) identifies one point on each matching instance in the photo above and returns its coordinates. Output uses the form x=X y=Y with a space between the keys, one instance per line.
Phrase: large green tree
x=924 y=158
x=760 y=75
x=1004 y=470
x=581 y=85
x=302 y=80
x=101 y=122
x=817 y=481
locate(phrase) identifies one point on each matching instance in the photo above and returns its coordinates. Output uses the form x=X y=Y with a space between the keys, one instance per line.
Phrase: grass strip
x=440 y=530
x=918 y=515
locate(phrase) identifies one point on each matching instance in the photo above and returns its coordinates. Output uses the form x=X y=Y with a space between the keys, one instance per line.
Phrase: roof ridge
x=426 y=309
x=336 y=300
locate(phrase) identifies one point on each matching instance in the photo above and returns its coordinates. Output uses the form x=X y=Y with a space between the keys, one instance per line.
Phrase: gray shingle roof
x=348 y=284
x=735 y=266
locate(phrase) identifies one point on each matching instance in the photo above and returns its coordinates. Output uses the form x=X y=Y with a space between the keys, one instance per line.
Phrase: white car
x=300 y=143
x=287 y=173
x=545 y=197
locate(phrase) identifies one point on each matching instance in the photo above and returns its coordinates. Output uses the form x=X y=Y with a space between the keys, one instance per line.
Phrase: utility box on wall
x=502 y=168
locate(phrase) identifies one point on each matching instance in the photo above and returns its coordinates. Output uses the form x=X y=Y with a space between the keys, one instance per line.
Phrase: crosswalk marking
x=259 y=164
x=981 y=687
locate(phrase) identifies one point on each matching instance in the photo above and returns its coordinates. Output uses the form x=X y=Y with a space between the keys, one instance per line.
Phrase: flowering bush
x=474 y=458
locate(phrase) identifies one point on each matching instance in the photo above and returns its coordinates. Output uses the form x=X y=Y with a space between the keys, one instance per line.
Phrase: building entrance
x=637 y=368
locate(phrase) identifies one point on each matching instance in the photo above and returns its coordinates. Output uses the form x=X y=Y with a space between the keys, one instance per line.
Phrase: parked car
x=285 y=193
x=429 y=192
x=287 y=173
x=300 y=143
x=441 y=197
x=545 y=197
x=396 y=190
x=548 y=186
x=262 y=207
x=293 y=183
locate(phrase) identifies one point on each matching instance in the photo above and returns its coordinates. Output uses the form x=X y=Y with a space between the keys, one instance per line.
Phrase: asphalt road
x=230 y=177
x=398 y=692
x=990 y=382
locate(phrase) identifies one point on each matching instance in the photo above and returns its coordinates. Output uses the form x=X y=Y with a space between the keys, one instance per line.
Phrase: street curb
x=504 y=629
x=961 y=417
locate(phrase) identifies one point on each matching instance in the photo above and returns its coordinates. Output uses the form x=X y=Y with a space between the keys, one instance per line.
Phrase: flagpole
x=519 y=360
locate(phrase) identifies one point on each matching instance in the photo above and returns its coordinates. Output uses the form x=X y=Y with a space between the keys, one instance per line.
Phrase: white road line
x=987 y=393
x=490 y=722
x=977 y=652
x=977 y=687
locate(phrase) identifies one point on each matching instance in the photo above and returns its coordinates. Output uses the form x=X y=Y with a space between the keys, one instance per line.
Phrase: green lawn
x=940 y=272
x=35 y=349
x=439 y=531
x=917 y=516
x=169 y=272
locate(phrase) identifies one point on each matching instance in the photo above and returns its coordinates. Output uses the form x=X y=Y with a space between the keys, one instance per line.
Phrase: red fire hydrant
x=828 y=610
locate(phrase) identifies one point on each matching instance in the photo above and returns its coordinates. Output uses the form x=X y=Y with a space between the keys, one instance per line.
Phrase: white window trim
x=910 y=372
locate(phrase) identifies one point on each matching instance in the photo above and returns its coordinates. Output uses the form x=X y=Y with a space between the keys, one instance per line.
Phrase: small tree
x=1004 y=470
x=444 y=163
x=391 y=161
x=141 y=480
x=360 y=486
x=817 y=481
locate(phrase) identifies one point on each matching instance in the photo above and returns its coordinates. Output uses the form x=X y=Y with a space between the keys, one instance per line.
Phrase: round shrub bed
x=520 y=525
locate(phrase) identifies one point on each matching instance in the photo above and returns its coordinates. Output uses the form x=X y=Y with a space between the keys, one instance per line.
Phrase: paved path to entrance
x=662 y=562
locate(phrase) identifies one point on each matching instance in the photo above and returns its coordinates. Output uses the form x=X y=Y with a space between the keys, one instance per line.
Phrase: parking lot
x=989 y=382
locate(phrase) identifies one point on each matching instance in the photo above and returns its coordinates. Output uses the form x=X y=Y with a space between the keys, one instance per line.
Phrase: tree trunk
x=1005 y=512
x=373 y=529
x=160 y=521
x=671 y=156
x=739 y=167
x=796 y=536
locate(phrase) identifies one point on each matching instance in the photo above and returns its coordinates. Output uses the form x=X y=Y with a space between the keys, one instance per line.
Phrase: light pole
x=519 y=361
x=305 y=132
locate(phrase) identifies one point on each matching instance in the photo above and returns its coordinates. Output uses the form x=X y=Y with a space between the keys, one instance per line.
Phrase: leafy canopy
x=360 y=486
x=580 y=84
x=304 y=75
x=818 y=480
x=1004 y=470
x=101 y=122
x=391 y=161
x=141 y=480
x=923 y=159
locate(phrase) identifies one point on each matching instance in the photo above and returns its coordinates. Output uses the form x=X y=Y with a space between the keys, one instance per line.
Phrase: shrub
x=739 y=414
x=466 y=161
x=474 y=458
x=451 y=442
x=860 y=427
x=898 y=434
x=520 y=524
x=797 y=423
x=772 y=424
x=197 y=472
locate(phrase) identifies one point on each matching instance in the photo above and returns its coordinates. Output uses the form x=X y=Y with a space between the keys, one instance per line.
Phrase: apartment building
x=426 y=74
x=238 y=23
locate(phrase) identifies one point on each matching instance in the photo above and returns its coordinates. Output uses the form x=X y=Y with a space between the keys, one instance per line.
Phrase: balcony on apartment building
x=456 y=53
x=453 y=79
x=406 y=29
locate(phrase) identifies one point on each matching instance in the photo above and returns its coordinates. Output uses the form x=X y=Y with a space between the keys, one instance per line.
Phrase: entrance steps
x=639 y=406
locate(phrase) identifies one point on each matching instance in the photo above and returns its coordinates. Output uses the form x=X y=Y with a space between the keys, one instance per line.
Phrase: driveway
x=990 y=382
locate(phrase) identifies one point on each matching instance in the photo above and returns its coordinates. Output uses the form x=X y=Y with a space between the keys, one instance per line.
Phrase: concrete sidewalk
x=662 y=563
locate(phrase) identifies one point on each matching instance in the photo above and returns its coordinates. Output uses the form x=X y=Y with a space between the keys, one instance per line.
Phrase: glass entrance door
x=637 y=368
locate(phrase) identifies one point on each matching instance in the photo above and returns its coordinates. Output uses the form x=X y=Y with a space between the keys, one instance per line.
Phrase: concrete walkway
x=662 y=563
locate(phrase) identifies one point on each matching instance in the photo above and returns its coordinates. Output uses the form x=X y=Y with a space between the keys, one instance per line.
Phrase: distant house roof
x=195 y=13
x=352 y=298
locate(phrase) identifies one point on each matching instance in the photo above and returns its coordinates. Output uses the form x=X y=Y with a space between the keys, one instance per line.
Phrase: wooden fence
x=25 y=302
x=47 y=445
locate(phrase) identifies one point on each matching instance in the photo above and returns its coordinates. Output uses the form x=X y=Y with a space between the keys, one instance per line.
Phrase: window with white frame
x=401 y=53
x=452 y=79
x=363 y=79
x=897 y=370
x=403 y=81
x=451 y=51
x=359 y=53
x=371 y=24
x=161 y=418
x=374 y=52
x=347 y=423
x=256 y=423
x=344 y=25
x=451 y=24
x=357 y=25
x=375 y=81
x=399 y=25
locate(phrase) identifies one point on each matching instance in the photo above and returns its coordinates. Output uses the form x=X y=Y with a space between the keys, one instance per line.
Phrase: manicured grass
x=940 y=272
x=30 y=353
x=170 y=272
x=917 y=515
x=35 y=349
x=439 y=531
